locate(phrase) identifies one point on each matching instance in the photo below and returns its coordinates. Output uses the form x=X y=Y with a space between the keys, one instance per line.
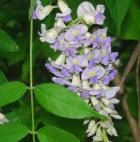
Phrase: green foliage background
x=123 y=22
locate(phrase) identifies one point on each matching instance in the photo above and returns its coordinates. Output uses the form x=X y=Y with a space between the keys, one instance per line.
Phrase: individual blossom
x=48 y=35
x=100 y=9
x=65 y=11
x=90 y=15
x=76 y=33
x=41 y=12
x=93 y=74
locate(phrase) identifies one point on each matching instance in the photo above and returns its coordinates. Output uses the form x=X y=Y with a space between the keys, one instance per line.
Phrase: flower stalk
x=31 y=80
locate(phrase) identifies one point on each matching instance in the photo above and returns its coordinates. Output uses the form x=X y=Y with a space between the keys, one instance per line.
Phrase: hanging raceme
x=85 y=63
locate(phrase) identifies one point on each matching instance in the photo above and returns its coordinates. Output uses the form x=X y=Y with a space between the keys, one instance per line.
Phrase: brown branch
x=130 y=63
x=138 y=89
x=132 y=122
x=119 y=81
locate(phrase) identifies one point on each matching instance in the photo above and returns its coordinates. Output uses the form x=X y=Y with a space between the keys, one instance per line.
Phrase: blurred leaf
x=63 y=102
x=118 y=10
x=25 y=69
x=12 y=132
x=54 y=134
x=32 y=7
x=14 y=57
x=2 y=78
x=132 y=102
x=20 y=114
x=131 y=26
x=11 y=92
x=73 y=126
x=125 y=133
x=7 y=43
x=12 y=117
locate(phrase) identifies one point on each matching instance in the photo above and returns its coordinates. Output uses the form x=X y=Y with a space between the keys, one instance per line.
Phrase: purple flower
x=58 y=80
x=99 y=14
x=85 y=95
x=67 y=18
x=93 y=74
x=65 y=15
x=41 y=12
x=113 y=56
x=110 y=92
x=76 y=64
x=76 y=33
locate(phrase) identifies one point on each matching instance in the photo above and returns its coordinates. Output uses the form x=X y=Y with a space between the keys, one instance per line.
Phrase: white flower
x=48 y=35
x=87 y=12
x=66 y=11
x=3 y=119
x=76 y=80
x=63 y=6
x=41 y=12
x=116 y=116
x=100 y=8
x=61 y=59
x=85 y=84
x=105 y=101
x=94 y=101
x=59 y=23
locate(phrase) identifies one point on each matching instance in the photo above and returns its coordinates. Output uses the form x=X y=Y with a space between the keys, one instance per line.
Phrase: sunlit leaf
x=63 y=102
x=11 y=92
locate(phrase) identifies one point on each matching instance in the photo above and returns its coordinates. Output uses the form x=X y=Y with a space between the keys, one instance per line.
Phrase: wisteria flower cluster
x=85 y=63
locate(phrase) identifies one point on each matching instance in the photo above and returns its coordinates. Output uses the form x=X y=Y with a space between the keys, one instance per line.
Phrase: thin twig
x=130 y=63
x=138 y=89
x=131 y=120
x=119 y=81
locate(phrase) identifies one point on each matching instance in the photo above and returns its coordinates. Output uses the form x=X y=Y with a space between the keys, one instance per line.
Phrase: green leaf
x=54 y=134
x=63 y=102
x=14 y=57
x=2 y=78
x=12 y=132
x=7 y=43
x=131 y=27
x=32 y=6
x=73 y=126
x=118 y=10
x=11 y=92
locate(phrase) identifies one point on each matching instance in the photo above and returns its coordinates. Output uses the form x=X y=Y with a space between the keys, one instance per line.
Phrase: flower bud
x=62 y=6
x=3 y=119
x=94 y=101
x=61 y=59
x=105 y=101
x=85 y=84
x=114 y=132
x=76 y=80
x=116 y=116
